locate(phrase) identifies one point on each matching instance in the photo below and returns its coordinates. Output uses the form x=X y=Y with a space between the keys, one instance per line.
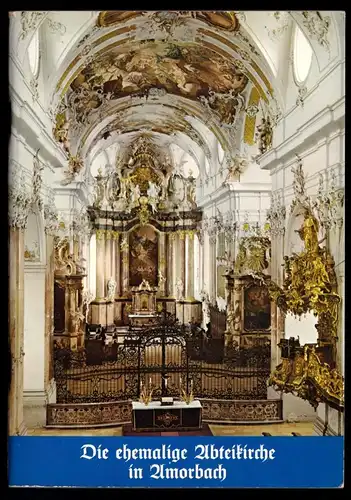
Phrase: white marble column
x=100 y=265
x=174 y=245
x=213 y=270
x=16 y=327
x=118 y=263
x=181 y=259
x=162 y=262
x=169 y=268
x=206 y=271
x=190 y=267
x=113 y=255
x=108 y=252
x=125 y=267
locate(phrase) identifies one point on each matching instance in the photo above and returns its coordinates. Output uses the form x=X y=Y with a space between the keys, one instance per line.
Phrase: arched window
x=33 y=54
x=303 y=54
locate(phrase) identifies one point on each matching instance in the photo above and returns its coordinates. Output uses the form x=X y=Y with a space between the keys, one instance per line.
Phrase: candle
x=150 y=381
x=165 y=382
x=141 y=384
x=180 y=380
x=191 y=383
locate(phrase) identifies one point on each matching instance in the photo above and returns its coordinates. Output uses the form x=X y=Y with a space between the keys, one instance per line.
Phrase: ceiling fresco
x=181 y=61
x=220 y=19
x=186 y=70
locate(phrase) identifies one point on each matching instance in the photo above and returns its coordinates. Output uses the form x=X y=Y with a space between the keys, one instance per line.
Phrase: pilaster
x=16 y=320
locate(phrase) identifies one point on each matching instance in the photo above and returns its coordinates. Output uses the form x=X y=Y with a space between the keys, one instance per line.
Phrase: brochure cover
x=176 y=249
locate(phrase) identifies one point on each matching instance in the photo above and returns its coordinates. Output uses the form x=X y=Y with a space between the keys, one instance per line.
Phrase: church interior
x=176 y=223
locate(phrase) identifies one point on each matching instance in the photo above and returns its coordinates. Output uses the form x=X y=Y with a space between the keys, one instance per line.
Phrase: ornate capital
x=51 y=215
x=20 y=200
x=100 y=234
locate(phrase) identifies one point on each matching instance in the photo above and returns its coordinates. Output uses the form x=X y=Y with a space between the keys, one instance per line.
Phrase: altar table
x=139 y=320
x=155 y=416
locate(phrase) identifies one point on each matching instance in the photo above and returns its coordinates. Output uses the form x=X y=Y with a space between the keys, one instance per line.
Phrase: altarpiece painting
x=257 y=309
x=143 y=256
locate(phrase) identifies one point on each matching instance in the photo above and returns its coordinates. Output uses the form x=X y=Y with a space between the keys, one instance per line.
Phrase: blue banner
x=177 y=462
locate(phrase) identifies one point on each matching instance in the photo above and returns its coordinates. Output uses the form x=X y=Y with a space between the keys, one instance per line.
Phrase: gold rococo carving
x=305 y=375
x=309 y=286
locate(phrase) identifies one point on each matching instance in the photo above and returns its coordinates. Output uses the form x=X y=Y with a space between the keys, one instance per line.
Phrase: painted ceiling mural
x=220 y=19
x=187 y=63
x=186 y=70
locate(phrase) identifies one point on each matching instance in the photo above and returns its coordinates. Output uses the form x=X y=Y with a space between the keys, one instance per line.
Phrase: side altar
x=157 y=416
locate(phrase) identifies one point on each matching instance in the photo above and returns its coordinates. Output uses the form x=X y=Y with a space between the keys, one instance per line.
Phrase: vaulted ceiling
x=187 y=78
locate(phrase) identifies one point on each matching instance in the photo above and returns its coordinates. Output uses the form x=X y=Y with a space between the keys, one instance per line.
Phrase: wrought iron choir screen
x=167 y=356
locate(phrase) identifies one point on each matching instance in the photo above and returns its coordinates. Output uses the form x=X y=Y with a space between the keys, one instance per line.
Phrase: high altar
x=145 y=220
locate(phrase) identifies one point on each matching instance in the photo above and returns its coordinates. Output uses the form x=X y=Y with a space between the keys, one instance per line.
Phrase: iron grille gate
x=166 y=357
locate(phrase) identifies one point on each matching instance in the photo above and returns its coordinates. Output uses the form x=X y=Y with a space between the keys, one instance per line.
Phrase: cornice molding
x=323 y=124
x=34 y=267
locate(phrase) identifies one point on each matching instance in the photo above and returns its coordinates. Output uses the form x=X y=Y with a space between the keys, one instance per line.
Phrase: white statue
x=205 y=309
x=152 y=194
x=88 y=297
x=77 y=318
x=153 y=190
x=180 y=288
x=111 y=289
x=206 y=316
x=144 y=285
x=161 y=278
x=134 y=194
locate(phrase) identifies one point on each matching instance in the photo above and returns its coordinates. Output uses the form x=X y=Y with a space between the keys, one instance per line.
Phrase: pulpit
x=143 y=305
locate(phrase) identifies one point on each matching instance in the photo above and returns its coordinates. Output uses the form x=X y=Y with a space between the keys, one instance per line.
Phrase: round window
x=303 y=54
x=33 y=54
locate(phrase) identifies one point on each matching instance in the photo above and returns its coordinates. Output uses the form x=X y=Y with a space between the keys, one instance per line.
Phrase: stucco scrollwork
x=300 y=196
x=317 y=26
x=20 y=199
x=329 y=203
x=37 y=181
x=51 y=214
x=276 y=214
x=30 y=21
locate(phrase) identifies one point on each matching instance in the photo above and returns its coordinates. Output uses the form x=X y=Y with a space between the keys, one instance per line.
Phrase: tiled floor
x=285 y=429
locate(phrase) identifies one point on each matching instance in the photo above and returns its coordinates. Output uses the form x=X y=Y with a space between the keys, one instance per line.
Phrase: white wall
x=34 y=329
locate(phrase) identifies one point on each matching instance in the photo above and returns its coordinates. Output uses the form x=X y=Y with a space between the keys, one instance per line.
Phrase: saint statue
x=134 y=194
x=111 y=289
x=264 y=135
x=191 y=191
x=152 y=193
x=179 y=288
x=161 y=278
x=153 y=190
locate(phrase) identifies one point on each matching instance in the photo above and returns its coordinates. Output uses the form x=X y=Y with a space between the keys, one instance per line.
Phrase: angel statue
x=134 y=194
x=111 y=289
x=152 y=193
